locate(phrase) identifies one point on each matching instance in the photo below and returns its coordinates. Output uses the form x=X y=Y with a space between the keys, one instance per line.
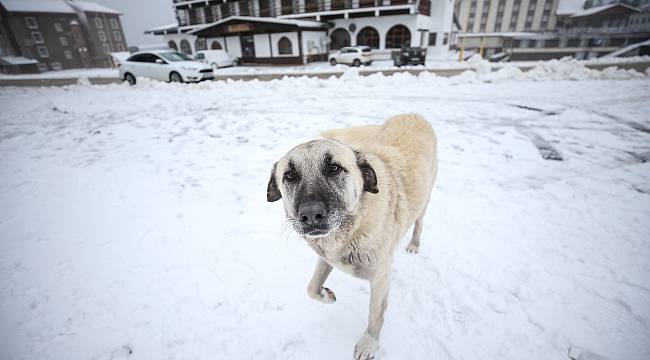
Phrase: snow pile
x=134 y=221
x=570 y=69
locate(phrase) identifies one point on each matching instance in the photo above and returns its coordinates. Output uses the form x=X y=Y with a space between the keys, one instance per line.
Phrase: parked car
x=165 y=65
x=215 y=58
x=409 y=56
x=352 y=55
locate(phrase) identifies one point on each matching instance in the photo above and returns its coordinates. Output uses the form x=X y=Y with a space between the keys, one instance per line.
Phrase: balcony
x=195 y=12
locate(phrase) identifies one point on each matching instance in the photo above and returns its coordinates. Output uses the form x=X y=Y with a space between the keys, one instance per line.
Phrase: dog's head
x=321 y=182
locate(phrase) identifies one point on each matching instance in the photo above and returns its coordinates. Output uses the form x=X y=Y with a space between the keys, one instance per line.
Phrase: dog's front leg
x=315 y=288
x=369 y=343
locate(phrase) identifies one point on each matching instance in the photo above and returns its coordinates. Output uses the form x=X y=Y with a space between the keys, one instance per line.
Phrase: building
x=41 y=35
x=300 y=31
x=568 y=28
x=488 y=16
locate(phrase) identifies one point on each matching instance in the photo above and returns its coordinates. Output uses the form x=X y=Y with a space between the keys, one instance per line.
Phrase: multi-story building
x=480 y=16
x=300 y=31
x=41 y=35
x=549 y=29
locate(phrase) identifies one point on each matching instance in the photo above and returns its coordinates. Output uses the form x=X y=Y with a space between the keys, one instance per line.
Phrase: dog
x=352 y=195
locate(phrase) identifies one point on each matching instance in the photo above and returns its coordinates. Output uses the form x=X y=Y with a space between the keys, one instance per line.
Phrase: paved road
x=638 y=66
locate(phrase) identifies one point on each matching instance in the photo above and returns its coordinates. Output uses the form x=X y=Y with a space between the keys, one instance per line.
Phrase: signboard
x=235 y=28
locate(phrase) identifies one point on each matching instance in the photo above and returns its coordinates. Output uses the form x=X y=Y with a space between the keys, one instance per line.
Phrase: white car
x=164 y=65
x=215 y=58
x=352 y=55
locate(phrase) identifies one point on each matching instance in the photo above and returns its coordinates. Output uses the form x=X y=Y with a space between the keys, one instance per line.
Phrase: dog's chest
x=352 y=260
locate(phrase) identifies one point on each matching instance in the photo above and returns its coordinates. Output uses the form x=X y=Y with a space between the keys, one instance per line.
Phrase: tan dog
x=353 y=196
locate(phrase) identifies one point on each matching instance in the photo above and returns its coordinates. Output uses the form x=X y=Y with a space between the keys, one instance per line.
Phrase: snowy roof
x=18 y=60
x=568 y=7
x=597 y=9
x=300 y=23
x=86 y=6
x=54 y=6
x=168 y=27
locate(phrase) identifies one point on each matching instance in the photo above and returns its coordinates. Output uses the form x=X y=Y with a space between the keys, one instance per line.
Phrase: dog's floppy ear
x=368 y=173
x=272 y=192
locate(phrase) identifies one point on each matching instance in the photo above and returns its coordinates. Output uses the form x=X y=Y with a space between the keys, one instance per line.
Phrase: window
x=524 y=43
x=284 y=46
x=42 y=51
x=63 y=40
x=368 y=36
x=42 y=67
x=31 y=22
x=539 y=43
x=68 y=54
x=185 y=47
x=200 y=15
x=99 y=23
x=58 y=27
x=445 y=40
x=215 y=45
x=102 y=35
x=339 y=38
x=56 y=66
x=200 y=44
x=398 y=36
x=114 y=24
x=172 y=44
x=121 y=47
x=432 y=39
x=106 y=48
x=117 y=35
x=37 y=37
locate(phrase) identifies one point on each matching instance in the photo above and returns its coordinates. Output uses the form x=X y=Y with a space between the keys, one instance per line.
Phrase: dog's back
x=407 y=144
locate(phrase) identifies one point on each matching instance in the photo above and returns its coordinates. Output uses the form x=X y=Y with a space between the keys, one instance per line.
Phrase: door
x=159 y=69
x=348 y=55
x=247 y=47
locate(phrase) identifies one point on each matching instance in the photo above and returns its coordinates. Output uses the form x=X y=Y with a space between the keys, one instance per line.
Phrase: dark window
x=398 y=36
x=432 y=39
x=368 y=36
x=215 y=45
x=287 y=7
x=185 y=47
x=284 y=46
x=265 y=8
x=172 y=44
x=311 y=6
x=445 y=39
x=200 y=44
x=339 y=38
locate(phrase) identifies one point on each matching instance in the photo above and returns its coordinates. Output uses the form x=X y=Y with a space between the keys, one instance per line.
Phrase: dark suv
x=409 y=56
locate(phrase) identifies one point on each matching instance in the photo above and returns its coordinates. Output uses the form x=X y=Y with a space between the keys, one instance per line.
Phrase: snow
x=134 y=222
x=18 y=60
x=55 y=6
x=86 y=6
x=597 y=9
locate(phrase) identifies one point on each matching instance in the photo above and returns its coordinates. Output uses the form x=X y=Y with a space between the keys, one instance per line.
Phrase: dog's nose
x=311 y=213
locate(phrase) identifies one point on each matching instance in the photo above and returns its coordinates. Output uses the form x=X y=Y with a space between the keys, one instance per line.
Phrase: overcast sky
x=140 y=15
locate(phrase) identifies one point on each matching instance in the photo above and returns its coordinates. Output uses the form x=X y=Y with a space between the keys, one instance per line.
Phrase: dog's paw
x=324 y=295
x=366 y=348
x=412 y=248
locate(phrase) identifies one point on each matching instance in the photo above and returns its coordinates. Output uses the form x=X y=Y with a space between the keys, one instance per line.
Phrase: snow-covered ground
x=134 y=225
x=321 y=67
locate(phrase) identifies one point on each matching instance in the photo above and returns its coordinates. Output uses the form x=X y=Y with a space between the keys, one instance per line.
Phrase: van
x=215 y=58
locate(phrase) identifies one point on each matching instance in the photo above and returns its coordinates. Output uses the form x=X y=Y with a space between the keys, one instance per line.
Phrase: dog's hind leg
x=315 y=288
x=414 y=245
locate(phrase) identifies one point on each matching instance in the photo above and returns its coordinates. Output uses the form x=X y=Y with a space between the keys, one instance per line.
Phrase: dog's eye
x=334 y=169
x=290 y=175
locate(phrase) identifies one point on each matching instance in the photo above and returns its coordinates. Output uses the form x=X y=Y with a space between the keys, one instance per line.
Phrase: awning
x=256 y=25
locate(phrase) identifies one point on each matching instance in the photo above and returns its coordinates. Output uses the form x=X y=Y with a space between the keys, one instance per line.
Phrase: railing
x=269 y=8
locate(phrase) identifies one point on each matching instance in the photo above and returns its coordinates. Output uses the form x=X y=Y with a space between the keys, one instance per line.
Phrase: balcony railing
x=191 y=15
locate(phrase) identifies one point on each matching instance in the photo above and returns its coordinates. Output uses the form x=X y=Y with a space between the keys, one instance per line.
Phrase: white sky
x=140 y=15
